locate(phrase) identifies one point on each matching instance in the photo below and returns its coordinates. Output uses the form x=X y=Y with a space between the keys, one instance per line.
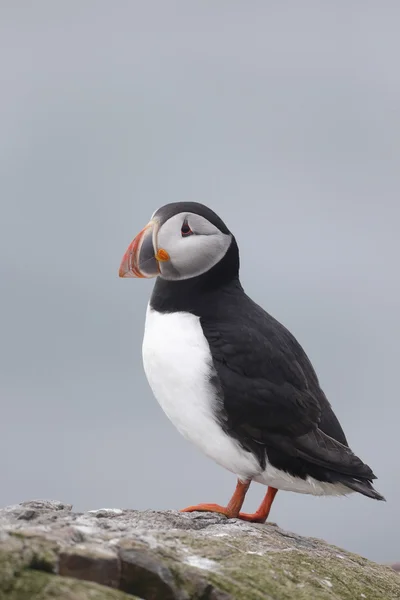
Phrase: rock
x=90 y=563
x=48 y=552
x=396 y=566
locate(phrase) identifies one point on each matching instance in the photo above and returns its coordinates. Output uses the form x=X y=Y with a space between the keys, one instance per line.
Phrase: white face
x=193 y=244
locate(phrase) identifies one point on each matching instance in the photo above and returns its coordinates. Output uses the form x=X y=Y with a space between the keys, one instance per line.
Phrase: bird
x=231 y=378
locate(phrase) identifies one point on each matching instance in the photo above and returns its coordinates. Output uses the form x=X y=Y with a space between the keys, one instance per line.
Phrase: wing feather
x=271 y=395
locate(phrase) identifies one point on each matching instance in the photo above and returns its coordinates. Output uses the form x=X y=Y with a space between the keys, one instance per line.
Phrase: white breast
x=178 y=364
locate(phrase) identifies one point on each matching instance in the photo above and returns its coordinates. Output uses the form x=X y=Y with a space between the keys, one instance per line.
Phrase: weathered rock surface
x=48 y=552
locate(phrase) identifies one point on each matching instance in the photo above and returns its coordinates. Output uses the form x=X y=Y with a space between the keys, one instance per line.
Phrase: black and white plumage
x=231 y=378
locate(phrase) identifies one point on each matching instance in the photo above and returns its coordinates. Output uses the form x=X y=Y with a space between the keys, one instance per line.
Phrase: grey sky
x=281 y=116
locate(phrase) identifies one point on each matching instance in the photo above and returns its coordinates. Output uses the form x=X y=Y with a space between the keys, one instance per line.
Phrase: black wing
x=271 y=395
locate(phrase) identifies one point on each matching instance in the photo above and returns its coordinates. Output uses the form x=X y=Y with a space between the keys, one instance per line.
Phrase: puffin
x=230 y=377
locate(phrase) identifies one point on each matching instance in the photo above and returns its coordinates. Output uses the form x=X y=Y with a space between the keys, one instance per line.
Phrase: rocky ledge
x=49 y=552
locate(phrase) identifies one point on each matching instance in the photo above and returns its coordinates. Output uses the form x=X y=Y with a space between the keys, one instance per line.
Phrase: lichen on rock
x=49 y=552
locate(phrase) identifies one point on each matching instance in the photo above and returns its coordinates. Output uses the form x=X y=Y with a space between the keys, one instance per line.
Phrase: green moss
x=26 y=585
x=280 y=575
x=294 y=574
x=25 y=563
x=11 y=563
x=43 y=586
x=44 y=558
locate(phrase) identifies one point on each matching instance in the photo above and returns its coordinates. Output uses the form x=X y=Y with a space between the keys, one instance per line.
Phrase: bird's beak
x=141 y=258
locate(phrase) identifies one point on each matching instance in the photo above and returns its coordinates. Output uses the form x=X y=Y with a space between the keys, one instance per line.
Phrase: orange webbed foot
x=215 y=508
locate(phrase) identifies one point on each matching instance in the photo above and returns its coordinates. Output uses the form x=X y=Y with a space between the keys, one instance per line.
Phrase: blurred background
x=281 y=116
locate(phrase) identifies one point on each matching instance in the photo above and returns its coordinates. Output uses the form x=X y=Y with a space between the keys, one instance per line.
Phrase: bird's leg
x=261 y=515
x=234 y=505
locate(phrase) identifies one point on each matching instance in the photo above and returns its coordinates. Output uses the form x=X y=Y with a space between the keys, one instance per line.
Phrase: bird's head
x=182 y=240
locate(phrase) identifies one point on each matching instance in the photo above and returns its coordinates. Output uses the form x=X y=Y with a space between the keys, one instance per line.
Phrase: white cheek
x=194 y=255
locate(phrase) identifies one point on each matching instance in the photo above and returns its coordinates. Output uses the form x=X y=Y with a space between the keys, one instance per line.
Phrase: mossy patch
x=36 y=585
x=290 y=573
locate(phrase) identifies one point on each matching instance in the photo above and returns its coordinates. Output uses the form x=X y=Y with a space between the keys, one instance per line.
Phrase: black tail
x=320 y=449
x=363 y=487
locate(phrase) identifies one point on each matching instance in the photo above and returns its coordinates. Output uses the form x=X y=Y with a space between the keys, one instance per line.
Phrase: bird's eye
x=185 y=229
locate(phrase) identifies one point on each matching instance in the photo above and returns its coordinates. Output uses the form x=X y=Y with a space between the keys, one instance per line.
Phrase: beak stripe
x=139 y=259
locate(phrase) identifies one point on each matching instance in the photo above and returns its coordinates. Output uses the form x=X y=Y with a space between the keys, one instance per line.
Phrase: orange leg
x=232 y=510
x=261 y=515
x=236 y=503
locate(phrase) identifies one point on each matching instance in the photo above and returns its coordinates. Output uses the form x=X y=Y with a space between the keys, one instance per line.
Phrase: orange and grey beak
x=142 y=258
